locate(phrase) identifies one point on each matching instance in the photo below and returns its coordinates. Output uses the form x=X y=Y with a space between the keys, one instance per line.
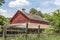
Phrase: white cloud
x=18 y=3
x=57 y=2
x=4 y=13
x=48 y=2
x=45 y=3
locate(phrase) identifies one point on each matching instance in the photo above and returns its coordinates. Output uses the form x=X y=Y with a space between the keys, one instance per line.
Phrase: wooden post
x=26 y=30
x=38 y=30
x=4 y=32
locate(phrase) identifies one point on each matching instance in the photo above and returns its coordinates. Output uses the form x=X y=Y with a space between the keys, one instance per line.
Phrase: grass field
x=34 y=37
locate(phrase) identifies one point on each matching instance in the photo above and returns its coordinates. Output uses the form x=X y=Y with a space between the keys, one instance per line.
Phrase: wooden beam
x=4 y=32
x=26 y=30
x=38 y=30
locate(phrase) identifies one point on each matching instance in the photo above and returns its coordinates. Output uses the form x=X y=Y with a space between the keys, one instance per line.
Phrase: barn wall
x=40 y=22
x=20 y=18
x=35 y=25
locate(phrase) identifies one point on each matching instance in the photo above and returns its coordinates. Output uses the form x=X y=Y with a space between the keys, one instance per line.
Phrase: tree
x=1 y=17
x=1 y=2
x=23 y=9
x=54 y=19
x=36 y=12
x=39 y=13
x=48 y=17
x=3 y=20
x=33 y=10
x=6 y=21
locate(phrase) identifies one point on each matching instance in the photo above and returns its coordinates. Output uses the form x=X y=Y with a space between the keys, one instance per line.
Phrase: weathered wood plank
x=26 y=30
x=38 y=30
x=4 y=32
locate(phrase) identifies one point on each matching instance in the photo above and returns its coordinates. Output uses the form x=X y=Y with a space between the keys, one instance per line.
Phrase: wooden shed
x=21 y=17
x=20 y=20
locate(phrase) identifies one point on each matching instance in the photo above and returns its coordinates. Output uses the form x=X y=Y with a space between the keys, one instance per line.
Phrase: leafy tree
x=36 y=12
x=1 y=17
x=48 y=17
x=39 y=13
x=54 y=19
x=23 y=9
x=1 y=2
x=3 y=20
x=33 y=10
x=6 y=21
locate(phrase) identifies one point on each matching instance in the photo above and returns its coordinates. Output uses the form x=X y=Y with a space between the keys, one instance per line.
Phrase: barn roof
x=31 y=16
x=34 y=17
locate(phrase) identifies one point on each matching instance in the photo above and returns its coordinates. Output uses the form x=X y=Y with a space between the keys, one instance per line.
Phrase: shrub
x=48 y=31
x=0 y=29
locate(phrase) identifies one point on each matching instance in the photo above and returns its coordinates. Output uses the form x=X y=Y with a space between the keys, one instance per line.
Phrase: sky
x=10 y=7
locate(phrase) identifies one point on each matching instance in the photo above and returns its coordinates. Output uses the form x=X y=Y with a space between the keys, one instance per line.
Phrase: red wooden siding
x=19 y=18
x=37 y=21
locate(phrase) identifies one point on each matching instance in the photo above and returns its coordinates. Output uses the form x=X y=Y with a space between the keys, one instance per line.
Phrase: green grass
x=50 y=37
x=1 y=38
x=34 y=37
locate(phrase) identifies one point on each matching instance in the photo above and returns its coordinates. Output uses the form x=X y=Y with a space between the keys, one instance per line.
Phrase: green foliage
x=48 y=31
x=3 y=20
x=47 y=16
x=6 y=21
x=36 y=12
x=34 y=37
x=0 y=29
x=54 y=19
x=39 y=13
x=1 y=2
x=33 y=10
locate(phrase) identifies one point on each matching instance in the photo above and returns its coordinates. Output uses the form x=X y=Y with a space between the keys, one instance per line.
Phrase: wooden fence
x=5 y=35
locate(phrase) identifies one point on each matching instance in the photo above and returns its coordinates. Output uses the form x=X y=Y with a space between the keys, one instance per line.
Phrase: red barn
x=21 y=18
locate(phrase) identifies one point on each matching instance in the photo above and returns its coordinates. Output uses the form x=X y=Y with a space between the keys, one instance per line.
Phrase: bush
x=0 y=29
x=48 y=31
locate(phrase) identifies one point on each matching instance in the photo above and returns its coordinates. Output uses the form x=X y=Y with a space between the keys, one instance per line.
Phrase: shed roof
x=33 y=16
